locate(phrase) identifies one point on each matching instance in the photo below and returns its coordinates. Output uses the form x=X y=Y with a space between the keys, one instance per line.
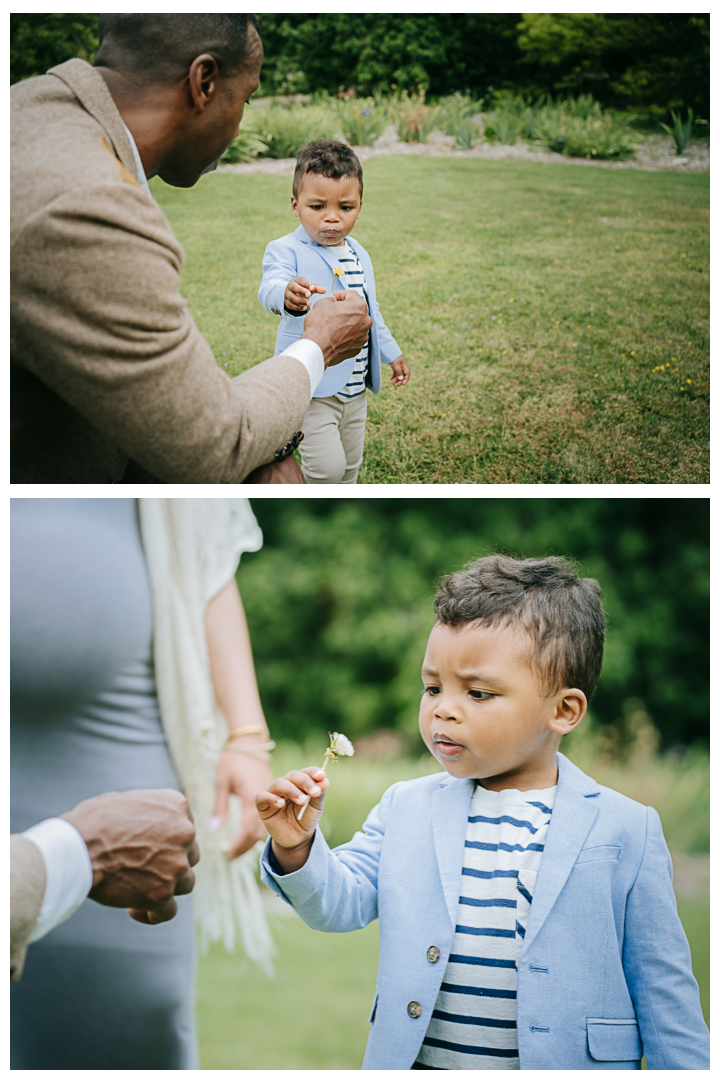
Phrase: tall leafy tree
x=39 y=42
x=654 y=62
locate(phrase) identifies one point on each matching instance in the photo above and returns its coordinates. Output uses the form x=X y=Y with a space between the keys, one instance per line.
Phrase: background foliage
x=39 y=42
x=651 y=62
x=339 y=603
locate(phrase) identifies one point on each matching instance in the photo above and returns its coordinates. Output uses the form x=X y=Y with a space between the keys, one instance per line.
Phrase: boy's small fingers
x=305 y=783
x=266 y=800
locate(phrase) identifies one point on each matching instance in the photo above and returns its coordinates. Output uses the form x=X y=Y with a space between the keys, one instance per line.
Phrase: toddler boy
x=317 y=258
x=527 y=916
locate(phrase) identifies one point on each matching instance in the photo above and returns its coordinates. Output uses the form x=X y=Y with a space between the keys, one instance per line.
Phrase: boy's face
x=485 y=713
x=328 y=209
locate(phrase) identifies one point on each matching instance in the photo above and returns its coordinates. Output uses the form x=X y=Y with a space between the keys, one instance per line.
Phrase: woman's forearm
x=233 y=671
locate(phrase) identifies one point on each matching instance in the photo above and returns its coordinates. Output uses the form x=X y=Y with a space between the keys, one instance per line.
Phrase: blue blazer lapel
x=574 y=812
x=450 y=809
x=327 y=254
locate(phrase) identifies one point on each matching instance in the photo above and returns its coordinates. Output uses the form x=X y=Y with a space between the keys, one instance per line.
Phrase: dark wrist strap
x=289 y=446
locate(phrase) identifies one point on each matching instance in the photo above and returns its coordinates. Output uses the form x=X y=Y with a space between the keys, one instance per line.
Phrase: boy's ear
x=570 y=707
x=293 y=203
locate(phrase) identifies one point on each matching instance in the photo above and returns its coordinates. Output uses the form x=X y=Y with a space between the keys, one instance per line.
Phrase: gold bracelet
x=258 y=750
x=251 y=729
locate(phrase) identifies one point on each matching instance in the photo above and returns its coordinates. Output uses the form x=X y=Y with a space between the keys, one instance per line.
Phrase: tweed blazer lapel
x=91 y=90
x=450 y=809
x=574 y=812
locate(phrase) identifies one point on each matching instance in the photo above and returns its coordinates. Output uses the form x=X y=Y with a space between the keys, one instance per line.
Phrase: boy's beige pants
x=332 y=450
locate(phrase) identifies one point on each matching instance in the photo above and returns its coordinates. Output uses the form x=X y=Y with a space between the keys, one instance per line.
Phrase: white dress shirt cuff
x=310 y=356
x=68 y=872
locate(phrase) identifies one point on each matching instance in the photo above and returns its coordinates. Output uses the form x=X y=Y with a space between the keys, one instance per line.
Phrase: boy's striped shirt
x=353 y=278
x=474 y=1023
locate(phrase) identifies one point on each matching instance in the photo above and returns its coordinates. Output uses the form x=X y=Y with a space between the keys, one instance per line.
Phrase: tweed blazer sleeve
x=98 y=317
x=27 y=888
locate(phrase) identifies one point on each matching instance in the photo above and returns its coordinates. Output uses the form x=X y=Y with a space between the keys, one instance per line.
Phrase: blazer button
x=433 y=954
x=414 y=1009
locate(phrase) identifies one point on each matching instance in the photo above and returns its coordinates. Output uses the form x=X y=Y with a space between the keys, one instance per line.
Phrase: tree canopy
x=339 y=601
x=651 y=62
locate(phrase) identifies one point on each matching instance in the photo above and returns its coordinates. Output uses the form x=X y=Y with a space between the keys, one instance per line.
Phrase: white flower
x=340 y=745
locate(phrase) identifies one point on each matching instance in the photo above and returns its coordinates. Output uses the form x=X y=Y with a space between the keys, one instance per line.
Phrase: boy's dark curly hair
x=325 y=157
x=561 y=613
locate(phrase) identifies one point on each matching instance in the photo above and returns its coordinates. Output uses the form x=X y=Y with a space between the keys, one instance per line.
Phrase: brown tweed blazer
x=27 y=889
x=106 y=361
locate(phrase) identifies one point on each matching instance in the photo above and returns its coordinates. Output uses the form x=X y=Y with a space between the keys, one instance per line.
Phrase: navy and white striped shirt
x=353 y=278
x=474 y=1022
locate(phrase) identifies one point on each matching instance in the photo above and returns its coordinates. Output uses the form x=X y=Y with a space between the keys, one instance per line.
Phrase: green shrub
x=248 y=144
x=362 y=120
x=593 y=135
x=286 y=128
x=414 y=119
x=457 y=119
x=577 y=127
x=681 y=129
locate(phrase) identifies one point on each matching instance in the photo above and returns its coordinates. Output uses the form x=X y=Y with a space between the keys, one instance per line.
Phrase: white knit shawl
x=192 y=548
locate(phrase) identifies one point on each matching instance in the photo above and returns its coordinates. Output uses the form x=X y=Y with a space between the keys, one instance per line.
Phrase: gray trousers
x=332 y=450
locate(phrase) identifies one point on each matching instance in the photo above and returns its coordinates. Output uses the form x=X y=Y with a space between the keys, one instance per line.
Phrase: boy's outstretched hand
x=298 y=293
x=400 y=372
x=279 y=807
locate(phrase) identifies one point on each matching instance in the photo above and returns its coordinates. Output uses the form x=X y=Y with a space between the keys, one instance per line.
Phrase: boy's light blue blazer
x=604 y=973
x=297 y=255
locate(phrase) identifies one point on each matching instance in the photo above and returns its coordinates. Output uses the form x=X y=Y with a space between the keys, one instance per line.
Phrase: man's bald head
x=160 y=48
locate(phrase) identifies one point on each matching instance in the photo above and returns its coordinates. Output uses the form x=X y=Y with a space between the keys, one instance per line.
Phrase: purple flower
x=366 y=112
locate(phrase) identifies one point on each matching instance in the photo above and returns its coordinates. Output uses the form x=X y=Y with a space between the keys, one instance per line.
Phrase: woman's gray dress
x=100 y=991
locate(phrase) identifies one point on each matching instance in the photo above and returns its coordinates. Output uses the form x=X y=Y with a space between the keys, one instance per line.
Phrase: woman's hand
x=279 y=807
x=243 y=775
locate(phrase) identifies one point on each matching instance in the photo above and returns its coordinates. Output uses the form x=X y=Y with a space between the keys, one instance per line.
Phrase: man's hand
x=339 y=324
x=400 y=372
x=142 y=847
x=279 y=807
x=244 y=776
x=298 y=293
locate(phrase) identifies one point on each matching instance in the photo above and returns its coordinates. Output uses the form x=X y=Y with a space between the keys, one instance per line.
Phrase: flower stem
x=328 y=753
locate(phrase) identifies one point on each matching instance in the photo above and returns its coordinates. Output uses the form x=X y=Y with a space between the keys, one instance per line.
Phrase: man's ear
x=569 y=708
x=203 y=81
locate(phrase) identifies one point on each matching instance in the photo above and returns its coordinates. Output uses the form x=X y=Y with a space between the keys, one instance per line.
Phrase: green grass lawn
x=314 y=1014
x=555 y=318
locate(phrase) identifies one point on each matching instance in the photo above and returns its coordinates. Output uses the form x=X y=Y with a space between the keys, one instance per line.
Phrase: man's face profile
x=211 y=129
